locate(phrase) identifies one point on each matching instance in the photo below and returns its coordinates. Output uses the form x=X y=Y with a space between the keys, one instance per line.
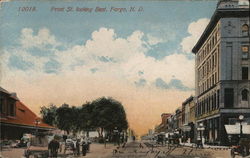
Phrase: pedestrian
x=88 y=142
x=141 y=146
x=74 y=147
x=199 y=143
x=53 y=147
x=78 y=147
x=84 y=148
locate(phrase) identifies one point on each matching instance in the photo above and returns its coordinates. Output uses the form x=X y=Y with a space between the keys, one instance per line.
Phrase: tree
x=64 y=116
x=49 y=114
x=76 y=122
x=108 y=114
x=86 y=118
x=101 y=114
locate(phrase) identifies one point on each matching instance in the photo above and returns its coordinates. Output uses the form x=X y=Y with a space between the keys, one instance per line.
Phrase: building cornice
x=218 y=14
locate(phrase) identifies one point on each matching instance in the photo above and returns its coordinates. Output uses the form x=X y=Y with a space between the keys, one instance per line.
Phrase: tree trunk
x=87 y=133
x=99 y=133
x=102 y=132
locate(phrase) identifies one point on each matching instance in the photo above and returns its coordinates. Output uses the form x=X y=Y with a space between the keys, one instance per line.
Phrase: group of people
x=73 y=144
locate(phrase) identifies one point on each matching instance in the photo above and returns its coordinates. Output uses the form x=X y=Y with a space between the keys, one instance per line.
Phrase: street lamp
x=37 y=122
x=241 y=117
x=200 y=129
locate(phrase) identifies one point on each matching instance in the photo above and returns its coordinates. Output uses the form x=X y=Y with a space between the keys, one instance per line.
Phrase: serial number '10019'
x=27 y=9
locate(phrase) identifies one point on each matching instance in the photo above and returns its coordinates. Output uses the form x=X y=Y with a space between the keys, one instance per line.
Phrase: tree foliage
x=64 y=116
x=100 y=114
x=109 y=114
x=49 y=114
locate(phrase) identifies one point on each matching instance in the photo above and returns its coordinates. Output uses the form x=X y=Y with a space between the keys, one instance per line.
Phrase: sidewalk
x=206 y=146
x=96 y=151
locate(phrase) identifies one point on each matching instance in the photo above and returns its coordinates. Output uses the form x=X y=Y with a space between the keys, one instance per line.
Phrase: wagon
x=37 y=146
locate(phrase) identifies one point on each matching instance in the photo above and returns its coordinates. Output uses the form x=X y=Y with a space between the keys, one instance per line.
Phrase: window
x=213 y=62
x=228 y=97
x=232 y=121
x=244 y=95
x=244 y=73
x=245 y=51
x=1 y=104
x=245 y=30
x=218 y=99
x=213 y=80
x=12 y=109
x=215 y=104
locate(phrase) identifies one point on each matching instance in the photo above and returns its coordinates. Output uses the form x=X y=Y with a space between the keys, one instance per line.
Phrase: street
x=133 y=150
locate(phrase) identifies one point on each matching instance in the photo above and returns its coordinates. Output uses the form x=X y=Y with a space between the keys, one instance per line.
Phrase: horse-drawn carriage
x=38 y=145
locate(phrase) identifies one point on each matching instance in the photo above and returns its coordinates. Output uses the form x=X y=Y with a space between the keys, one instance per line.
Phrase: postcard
x=124 y=79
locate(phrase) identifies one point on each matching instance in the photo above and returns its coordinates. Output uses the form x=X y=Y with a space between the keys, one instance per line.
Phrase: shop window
x=232 y=121
x=244 y=95
x=229 y=97
x=244 y=73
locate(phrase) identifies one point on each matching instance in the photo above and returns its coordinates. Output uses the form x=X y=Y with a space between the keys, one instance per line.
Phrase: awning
x=235 y=129
x=25 y=126
x=186 y=128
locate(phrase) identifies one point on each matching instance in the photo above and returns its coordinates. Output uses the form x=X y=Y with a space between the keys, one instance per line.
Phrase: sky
x=137 y=52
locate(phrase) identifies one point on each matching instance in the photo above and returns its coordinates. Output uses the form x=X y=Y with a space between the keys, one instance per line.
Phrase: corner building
x=222 y=63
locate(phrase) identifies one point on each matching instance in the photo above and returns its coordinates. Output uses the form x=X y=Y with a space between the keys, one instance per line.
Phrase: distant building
x=17 y=119
x=163 y=125
x=188 y=119
x=178 y=119
x=222 y=63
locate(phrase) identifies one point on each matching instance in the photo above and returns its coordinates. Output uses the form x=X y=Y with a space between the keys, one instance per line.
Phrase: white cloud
x=176 y=65
x=128 y=56
x=153 y=40
x=195 y=29
x=41 y=40
x=36 y=88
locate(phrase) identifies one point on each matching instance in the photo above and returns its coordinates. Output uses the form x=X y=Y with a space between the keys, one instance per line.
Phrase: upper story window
x=229 y=97
x=245 y=51
x=245 y=95
x=1 y=104
x=12 y=109
x=245 y=30
x=244 y=73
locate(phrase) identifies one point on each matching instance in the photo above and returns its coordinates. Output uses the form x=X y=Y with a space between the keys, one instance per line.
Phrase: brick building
x=17 y=119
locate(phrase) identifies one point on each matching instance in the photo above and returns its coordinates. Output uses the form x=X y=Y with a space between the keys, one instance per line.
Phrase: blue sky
x=76 y=27
x=141 y=58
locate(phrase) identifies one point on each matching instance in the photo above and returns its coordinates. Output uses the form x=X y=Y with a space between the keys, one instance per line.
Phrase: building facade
x=222 y=63
x=163 y=126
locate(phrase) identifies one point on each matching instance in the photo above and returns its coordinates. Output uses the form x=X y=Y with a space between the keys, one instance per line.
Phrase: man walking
x=84 y=148
x=53 y=148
